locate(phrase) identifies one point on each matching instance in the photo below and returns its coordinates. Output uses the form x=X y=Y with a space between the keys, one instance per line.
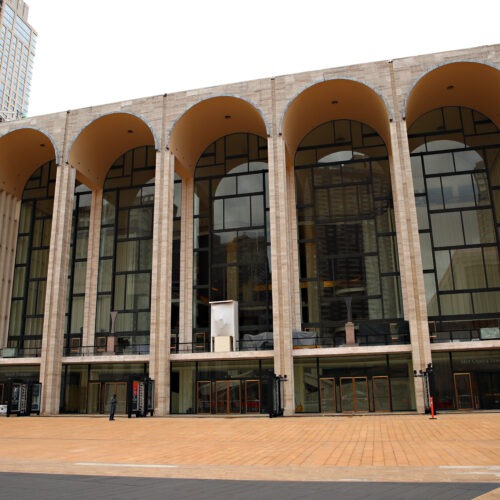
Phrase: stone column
x=281 y=261
x=56 y=290
x=92 y=274
x=410 y=260
x=161 y=283
x=186 y=263
x=9 y=221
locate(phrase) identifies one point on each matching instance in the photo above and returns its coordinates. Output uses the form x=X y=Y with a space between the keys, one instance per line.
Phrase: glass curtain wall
x=124 y=283
x=347 y=235
x=231 y=233
x=77 y=268
x=455 y=153
x=32 y=258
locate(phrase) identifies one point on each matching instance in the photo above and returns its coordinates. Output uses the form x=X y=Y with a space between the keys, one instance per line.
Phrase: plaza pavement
x=453 y=448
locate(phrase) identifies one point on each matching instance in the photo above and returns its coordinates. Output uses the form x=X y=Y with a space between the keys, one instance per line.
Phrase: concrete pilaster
x=161 y=287
x=92 y=274
x=186 y=263
x=412 y=280
x=9 y=221
x=281 y=268
x=56 y=290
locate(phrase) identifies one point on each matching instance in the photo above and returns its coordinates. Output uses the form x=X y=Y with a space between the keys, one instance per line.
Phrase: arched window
x=231 y=232
x=125 y=259
x=455 y=154
x=32 y=258
x=347 y=237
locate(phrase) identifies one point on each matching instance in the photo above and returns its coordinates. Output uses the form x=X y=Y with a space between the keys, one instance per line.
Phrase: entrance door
x=252 y=396
x=463 y=391
x=327 y=395
x=120 y=389
x=228 y=396
x=354 y=394
x=381 y=393
x=203 y=396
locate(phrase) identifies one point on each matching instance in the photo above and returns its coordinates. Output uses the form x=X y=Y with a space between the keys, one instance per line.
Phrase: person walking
x=112 y=407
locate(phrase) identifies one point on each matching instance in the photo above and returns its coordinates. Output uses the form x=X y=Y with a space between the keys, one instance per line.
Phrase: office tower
x=17 y=53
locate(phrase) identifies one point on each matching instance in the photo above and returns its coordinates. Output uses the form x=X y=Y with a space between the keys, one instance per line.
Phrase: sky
x=102 y=51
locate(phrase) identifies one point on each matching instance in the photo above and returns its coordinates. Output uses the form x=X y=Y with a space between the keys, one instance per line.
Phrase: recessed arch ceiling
x=206 y=122
x=469 y=84
x=101 y=142
x=21 y=153
x=334 y=100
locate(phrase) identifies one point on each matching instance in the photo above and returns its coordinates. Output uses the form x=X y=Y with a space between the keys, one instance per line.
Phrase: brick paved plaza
x=411 y=448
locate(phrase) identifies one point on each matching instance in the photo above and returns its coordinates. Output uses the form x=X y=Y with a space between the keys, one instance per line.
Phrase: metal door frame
x=228 y=384
x=198 y=384
x=354 y=383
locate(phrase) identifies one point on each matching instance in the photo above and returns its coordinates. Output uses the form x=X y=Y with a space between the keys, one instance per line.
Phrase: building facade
x=17 y=53
x=323 y=242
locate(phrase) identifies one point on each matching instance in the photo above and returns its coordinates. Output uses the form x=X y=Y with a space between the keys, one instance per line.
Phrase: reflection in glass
x=231 y=227
x=126 y=249
x=457 y=217
x=347 y=239
x=32 y=255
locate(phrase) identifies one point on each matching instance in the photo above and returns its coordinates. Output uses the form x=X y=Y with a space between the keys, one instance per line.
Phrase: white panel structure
x=224 y=323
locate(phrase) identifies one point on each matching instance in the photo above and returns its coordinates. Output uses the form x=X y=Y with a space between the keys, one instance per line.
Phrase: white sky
x=98 y=51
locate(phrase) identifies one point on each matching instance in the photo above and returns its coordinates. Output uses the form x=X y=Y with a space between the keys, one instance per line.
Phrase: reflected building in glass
x=319 y=243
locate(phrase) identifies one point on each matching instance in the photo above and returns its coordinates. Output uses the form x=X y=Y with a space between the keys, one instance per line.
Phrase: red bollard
x=431 y=403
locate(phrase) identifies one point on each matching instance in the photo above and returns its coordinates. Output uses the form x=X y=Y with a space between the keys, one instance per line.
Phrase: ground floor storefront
x=224 y=387
x=88 y=388
x=466 y=380
x=348 y=384
x=458 y=380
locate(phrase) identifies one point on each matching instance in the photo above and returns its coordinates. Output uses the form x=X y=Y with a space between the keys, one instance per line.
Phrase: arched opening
x=333 y=100
x=231 y=251
x=125 y=257
x=455 y=154
x=102 y=141
x=347 y=244
x=31 y=264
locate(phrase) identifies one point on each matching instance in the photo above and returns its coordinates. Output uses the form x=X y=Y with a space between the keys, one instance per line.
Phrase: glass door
x=463 y=391
x=381 y=393
x=354 y=394
x=203 y=396
x=228 y=396
x=252 y=396
x=327 y=395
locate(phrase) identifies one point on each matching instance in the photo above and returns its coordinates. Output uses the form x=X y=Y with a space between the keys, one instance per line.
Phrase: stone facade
x=85 y=142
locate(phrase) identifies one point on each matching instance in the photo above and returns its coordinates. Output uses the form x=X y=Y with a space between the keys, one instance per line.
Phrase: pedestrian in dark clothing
x=112 y=407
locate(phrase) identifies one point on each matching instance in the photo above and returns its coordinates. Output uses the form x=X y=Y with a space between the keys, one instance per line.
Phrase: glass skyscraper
x=17 y=53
